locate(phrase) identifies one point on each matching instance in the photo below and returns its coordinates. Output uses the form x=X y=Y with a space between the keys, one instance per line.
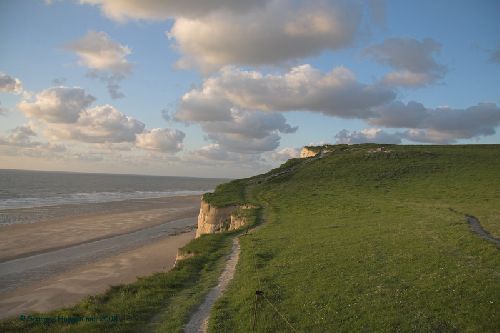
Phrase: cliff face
x=314 y=151
x=306 y=152
x=218 y=219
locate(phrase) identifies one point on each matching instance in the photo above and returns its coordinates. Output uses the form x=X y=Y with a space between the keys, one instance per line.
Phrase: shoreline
x=58 y=262
x=70 y=287
x=26 y=239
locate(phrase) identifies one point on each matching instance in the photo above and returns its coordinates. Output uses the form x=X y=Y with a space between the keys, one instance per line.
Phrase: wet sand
x=21 y=240
x=69 y=287
x=57 y=262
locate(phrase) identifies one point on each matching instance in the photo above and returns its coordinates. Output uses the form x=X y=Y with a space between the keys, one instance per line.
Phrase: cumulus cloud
x=281 y=31
x=368 y=135
x=250 y=124
x=236 y=143
x=400 y=115
x=123 y=10
x=413 y=60
x=215 y=155
x=211 y=152
x=336 y=93
x=247 y=131
x=65 y=113
x=285 y=154
x=105 y=58
x=239 y=110
x=101 y=124
x=21 y=138
x=439 y=124
x=10 y=84
x=213 y=33
x=57 y=104
x=98 y=51
x=377 y=135
x=164 y=140
x=427 y=125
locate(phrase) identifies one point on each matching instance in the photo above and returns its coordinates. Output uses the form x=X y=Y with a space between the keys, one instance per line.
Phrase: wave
x=83 y=198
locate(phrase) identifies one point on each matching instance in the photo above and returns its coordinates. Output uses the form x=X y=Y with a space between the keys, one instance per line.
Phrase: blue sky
x=438 y=54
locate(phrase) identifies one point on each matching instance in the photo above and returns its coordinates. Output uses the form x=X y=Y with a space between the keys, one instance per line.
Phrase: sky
x=232 y=88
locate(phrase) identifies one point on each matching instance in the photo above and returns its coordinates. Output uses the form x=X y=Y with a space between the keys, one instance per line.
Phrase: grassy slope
x=227 y=194
x=367 y=242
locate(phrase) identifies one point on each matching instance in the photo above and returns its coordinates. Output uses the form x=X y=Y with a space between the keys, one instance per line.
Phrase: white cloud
x=407 y=78
x=285 y=154
x=239 y=110
x=215 y=155
x=65 y=114
x=429 y=136
x=413 y=60
x=105 y=58
x=9 y=84
x=19 y=136
x=239 y=144
x=247 y=131
x=161 y=139
x=439 y=124
x=399 y=115
x=213 y=33
x=20 y=141
x=250 y=124
x=98 y=51
x=336 y=93
x=123 y=10
x=421 y=124
x=57 y=104
x=367 y=135
x=281 y=31
x=211 y=153
x=101 y=124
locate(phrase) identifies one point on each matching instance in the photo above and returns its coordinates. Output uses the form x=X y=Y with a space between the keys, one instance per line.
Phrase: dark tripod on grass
x=258 y=297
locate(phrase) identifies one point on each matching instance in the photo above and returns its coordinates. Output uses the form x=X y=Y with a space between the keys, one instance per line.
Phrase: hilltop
x=368 y=238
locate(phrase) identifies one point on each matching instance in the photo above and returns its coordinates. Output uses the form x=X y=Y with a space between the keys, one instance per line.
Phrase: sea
x=31 y=196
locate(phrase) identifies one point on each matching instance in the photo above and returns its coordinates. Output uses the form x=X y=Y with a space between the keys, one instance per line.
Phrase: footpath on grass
x=478 y=229
x=199 y=320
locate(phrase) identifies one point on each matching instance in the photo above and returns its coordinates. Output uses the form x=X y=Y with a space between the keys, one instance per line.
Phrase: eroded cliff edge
x=214 y=219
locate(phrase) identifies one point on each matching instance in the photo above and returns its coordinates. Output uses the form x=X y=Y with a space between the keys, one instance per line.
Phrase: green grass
x=374 y=242
x=227 y=194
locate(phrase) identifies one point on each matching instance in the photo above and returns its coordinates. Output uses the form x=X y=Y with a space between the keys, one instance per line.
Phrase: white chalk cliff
x=306 y=152
x=218 y=219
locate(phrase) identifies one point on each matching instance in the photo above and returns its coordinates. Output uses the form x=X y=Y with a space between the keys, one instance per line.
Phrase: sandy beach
x=70 y=287
x=21 y=240
x=55 y=263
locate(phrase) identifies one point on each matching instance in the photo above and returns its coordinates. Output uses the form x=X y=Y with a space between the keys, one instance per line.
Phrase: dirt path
x=478 y=229
x=199 y=320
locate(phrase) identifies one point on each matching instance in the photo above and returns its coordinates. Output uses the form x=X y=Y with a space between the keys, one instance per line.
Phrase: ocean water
x=26 y=196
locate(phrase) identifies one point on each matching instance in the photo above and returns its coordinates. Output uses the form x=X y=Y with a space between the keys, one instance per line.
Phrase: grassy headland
x=358 y=240
x=367 y=240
